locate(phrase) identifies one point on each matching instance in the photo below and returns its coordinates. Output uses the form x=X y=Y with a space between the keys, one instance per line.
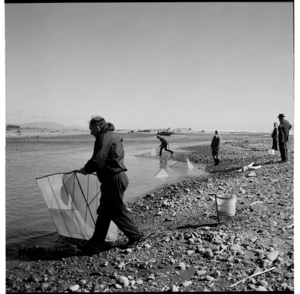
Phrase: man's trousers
x=113 y=209
x=283 y=151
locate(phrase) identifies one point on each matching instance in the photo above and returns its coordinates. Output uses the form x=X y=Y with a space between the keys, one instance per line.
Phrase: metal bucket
x=226 y=205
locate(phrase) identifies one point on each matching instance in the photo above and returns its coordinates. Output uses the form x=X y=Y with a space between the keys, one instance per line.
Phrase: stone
x=121 y=265
x=74 y=288
x=208 y=253
x=230 y=258
x=139 y=281
x=236 y=247
x=191 y=240
x=217 y=241
x=123 y=281
x=151 y=277
x=272 y=255
x=34 y=278
x=257 y=270
x=209 y=278
x=267 y=263
x=44 y=286
x=174 y=288
x=251 y=174
x=182 y=265
x=82 y=282
x=201 y=272
x=143 y=265
x=148 y=246
x=264 y=283
x=260 y=288
x=187 y=283
x=51 y=270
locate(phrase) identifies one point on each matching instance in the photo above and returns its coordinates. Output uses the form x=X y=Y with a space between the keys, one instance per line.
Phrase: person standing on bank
x=275 y=136
x=107 y=162
x=283 y=136
x=163 y=145
x=215 y=147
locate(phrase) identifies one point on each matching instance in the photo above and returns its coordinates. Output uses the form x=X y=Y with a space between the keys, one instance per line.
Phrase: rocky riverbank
x=186 y=249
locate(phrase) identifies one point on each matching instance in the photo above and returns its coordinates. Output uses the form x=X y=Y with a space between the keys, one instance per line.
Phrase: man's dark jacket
x=283 y=131
x=108 y=155
x=216 y=142
x=164 y=142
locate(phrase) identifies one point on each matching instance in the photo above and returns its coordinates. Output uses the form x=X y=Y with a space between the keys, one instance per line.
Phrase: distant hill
x=43 y=125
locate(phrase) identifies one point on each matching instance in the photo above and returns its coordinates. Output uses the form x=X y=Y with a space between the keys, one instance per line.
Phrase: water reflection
x=143 y=171
x=163 y=162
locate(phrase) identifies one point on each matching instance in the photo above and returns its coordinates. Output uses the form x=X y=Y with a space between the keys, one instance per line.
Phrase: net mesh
x=73 y=199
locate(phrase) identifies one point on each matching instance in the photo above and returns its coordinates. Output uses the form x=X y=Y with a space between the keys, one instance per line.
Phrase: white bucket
x=272 y=152
x=226 y=205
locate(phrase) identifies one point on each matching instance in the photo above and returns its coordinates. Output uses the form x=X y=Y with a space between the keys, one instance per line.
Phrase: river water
x=28 y=221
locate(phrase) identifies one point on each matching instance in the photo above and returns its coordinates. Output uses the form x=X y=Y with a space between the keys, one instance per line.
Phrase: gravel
x=187 y=250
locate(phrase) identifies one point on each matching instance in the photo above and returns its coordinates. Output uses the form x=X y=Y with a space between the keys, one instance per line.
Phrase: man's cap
x=281 y=115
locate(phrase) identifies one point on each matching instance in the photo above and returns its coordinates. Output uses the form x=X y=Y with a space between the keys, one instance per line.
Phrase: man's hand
x=82 y=171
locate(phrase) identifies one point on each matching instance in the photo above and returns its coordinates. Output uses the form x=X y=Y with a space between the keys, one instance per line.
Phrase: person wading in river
x=107 y=161
x=163 y=145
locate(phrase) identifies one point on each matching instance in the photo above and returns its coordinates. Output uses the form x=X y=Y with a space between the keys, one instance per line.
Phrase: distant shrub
x=9 y=127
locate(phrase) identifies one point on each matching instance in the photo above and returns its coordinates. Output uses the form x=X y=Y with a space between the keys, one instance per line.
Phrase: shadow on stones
x=68 y=248
x=204 y=223
x=188 y=226
x=238 y=219
x=268 y=162
x=225 y=170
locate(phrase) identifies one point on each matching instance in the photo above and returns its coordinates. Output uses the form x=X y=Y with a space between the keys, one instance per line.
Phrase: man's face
x=94 y=130
x=280 y=118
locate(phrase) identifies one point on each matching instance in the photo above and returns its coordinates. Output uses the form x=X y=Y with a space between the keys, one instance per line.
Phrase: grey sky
x=226 y=66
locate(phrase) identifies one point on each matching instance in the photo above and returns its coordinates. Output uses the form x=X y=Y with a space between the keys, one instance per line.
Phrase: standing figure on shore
x=275 y=136
x=107 y=162
x=163 y=145
x=283 y=136
x=215 y=147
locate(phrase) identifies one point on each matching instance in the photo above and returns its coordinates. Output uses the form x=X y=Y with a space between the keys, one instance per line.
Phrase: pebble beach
x=188 y=248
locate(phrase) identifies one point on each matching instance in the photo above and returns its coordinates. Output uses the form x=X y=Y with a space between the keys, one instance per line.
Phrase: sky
x=198 y=65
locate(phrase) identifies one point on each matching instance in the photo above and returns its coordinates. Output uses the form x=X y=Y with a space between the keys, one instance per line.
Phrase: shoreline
x=32 y=133
x=216 y=258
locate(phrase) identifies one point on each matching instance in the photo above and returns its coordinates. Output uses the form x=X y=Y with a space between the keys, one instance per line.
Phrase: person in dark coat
x=215 y=147
x=275 y=136
x=107 y=162
x=163 y=145
x=283 y=137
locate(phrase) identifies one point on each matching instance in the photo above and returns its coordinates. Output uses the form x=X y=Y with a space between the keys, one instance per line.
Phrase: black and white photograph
x=149 y=146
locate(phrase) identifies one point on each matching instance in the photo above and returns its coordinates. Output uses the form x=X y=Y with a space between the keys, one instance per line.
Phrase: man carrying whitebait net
x=107 y=162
